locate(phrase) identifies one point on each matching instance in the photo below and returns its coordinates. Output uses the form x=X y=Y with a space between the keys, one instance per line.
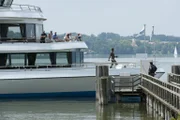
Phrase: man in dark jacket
x=152 y=69
x=43 y=37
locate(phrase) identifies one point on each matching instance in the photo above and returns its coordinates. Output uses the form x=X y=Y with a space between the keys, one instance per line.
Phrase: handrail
x=29 y=39
x=74 y=65
x=155 y=80
x=23 y=7
x=167 y=93
x=174 y=78
x=132 y=83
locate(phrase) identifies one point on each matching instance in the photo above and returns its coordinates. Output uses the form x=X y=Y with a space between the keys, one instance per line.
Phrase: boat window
x=19 y=32
x=82 y=57
x=42 y=59
x=17 y=60
x=78 y=60
x=62 y=59
x=14 y=32
x=7 y=3
x=77 y=57
x=39 y=30
x=45 y=59
x=30 y=31
x=1 y=2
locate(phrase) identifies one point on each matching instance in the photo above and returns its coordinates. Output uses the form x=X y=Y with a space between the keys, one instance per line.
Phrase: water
x=71 y=110
x=82 y=109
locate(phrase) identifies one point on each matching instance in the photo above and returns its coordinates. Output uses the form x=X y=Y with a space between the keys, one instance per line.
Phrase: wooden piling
x=102 y=84
x=175 y=69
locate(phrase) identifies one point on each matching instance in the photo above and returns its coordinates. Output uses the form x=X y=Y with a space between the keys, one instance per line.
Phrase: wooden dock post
x=102 y=81
x=175 y=69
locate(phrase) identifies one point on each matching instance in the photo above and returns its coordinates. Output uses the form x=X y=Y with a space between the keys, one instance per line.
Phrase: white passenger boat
x=29 y=68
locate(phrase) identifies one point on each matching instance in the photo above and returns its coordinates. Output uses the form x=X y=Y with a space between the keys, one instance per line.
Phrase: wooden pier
x=162 y=97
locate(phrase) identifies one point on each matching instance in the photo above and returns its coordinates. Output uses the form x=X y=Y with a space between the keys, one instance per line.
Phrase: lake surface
x=83 y=109
x=72 y=110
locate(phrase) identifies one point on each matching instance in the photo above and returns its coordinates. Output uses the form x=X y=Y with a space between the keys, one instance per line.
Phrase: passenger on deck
x=50 y=37
x=55 y=37
x=78 y=37
x=67 y=37
x=43 y=37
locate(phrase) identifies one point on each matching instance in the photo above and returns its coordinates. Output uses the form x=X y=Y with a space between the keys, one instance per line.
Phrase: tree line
x=103 y=42
x=159 y=44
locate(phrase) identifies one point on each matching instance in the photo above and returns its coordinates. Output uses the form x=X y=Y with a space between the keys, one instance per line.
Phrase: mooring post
x=102 y=81
x=175 y=69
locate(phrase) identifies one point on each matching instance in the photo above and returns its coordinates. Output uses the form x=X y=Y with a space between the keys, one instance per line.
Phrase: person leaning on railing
x=67 y=37
x=78 y=37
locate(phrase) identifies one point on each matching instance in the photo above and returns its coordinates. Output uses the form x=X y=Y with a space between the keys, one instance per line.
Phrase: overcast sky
x=124 y=17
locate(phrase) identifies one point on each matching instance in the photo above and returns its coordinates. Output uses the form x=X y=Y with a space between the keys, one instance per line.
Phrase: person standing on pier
x=112 y=57
x=152 y=69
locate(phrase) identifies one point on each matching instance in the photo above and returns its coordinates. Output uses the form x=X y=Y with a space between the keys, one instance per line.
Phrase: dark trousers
x=152 y=74
x=42 y=41
x=113 y=61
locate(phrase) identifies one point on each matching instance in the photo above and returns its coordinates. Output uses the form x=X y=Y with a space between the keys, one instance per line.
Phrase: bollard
x=102 y=81
x=175 y=69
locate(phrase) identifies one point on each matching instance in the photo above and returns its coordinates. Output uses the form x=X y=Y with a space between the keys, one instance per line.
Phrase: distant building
x=133 y=43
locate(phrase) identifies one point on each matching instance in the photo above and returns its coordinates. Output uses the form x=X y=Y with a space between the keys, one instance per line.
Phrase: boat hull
x=52 y=83
x=48 y=87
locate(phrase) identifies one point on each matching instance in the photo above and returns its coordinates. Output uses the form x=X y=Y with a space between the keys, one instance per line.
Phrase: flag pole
x=144 y=31
x=144 y=37
x=152 y=34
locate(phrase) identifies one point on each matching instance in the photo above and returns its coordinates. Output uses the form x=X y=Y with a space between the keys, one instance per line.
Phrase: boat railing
x=23 y=7
x=31 y=39
x=86 y=65
x=118 y=66
x=12 y=40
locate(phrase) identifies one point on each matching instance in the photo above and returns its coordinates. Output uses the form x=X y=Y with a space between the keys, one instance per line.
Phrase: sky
x=124 y=17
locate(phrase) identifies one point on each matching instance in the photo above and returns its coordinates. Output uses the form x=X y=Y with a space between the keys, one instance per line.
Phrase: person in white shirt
x=67 y=37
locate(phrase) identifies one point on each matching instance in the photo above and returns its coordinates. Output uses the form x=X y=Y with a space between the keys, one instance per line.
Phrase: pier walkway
x=162 y=97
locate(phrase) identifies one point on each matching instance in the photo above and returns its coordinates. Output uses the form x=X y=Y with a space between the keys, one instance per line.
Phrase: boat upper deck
x=41 y=47
x=10 y=11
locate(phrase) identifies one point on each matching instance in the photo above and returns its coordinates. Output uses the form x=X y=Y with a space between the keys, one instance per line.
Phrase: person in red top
x=112 y=57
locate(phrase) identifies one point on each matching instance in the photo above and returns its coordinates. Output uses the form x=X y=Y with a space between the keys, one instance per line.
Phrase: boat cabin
x=21 y=27
x=33 y=55
x=6 y=3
